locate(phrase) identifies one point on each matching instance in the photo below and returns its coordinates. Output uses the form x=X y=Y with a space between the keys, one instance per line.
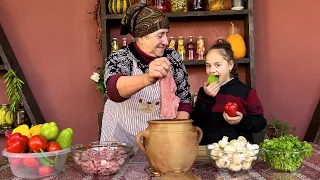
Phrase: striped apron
x=124 y=120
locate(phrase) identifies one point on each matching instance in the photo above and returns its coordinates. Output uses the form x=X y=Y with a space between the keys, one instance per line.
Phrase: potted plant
x=282 y=150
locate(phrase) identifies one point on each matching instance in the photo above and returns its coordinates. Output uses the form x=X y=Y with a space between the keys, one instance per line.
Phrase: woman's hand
x=233 y=120
x=158 y=69
x=212 y=89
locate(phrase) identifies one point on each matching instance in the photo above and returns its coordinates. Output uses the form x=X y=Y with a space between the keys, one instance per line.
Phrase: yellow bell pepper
x=35 y=130
x=22 y=129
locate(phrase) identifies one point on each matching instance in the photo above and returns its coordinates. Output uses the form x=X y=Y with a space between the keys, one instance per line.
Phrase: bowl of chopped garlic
x=236 y=155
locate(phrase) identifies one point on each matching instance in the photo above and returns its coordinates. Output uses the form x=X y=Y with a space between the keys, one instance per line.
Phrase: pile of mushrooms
x=235 y=155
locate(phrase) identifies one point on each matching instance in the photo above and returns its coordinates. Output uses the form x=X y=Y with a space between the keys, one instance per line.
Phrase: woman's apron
x=124 y=120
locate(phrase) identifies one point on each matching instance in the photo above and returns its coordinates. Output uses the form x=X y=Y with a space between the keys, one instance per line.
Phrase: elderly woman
x=133 y=76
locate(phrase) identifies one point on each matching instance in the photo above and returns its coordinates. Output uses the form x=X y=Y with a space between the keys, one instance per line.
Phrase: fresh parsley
x=285 y=153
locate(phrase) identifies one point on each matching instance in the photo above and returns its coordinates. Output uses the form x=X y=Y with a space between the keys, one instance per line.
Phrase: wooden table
x=135 y=170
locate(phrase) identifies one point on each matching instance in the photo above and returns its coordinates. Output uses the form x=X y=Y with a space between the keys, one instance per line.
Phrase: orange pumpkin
x=237 y=44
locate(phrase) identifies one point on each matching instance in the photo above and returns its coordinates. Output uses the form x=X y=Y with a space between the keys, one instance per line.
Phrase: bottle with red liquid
x=163 y=5
x=191 y=52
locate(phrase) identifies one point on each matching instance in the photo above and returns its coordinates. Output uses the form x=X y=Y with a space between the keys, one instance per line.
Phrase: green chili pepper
x=65 y=138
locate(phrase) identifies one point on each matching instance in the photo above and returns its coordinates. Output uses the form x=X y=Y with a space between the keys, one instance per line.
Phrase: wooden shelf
x=2 y=131
x=194 y=15
x=10 y=61
x=202 y=62
x=2 y=67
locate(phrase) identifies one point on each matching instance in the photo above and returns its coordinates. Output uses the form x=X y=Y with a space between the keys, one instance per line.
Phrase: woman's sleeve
x=118 y=65
x=180 y=76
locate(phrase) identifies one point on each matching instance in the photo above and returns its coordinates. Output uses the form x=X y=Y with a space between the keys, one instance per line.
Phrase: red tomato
x=45 y=170
x=53 y=146
x=30 y=162
x=230 y=108
x=15 y=162
x=36 y=142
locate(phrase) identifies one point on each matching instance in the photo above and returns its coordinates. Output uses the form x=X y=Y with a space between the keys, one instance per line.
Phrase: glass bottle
x=124 y=42
x=198 y=5
x=191 y=49
x=172 y=43
x=179 y=5
x=200 y=48
x=163 y=5
x=215 y=5
x=149 y=2
x=181 y=50
x=21 y=117
x=114 y=45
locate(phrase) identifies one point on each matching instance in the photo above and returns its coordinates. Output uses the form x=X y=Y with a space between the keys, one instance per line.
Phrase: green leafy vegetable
x=285 y=153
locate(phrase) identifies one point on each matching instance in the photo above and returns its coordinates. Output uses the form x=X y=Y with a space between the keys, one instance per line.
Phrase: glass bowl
x=283 y=161
x=31 y=166
x=101 y=158
x=233 y=160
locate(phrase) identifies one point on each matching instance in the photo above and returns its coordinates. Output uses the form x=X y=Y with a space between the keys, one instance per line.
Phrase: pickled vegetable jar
x=215 y=5
x=179 y=5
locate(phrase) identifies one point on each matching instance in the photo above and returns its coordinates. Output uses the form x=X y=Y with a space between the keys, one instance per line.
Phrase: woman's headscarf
x=142 y=19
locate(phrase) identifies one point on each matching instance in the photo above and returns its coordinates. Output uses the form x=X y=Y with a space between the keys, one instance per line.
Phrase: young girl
x=209 y=114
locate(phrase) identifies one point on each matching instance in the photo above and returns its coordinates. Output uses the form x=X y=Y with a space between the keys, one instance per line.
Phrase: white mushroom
x=229 y=155
x=224 y=162
x=216 y=153
x=216 y=146
x=255 y=149
x=218 y=164
x=249 y=146
x=236 y=159
x=246 y=165
x=222 y=143
x=235 y=167
x=210 y=146
x=249 y=153
x=242 y=140
x=229 y=149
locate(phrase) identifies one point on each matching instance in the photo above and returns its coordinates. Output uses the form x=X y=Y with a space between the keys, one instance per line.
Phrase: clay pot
x=170 y=145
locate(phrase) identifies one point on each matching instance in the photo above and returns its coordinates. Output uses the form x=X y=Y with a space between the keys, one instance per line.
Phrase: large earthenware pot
x=170 y=145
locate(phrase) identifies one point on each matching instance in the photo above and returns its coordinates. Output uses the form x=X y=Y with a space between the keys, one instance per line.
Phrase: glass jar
x=114 y=45
x=191 y=53
x=215 y=5
x=172 y=43
x=124 y=42
x=179 y=5
x=163 y=5
x=200 y=48
x=181 y=50
x=149 y=2
x=5 y=122
x=197 y=5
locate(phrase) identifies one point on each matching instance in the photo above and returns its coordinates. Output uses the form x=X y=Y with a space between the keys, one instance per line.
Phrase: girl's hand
x=212 y=89
x=233 y=120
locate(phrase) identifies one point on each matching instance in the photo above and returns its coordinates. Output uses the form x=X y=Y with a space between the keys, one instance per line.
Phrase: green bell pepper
x=65 y=138
x=49 y=131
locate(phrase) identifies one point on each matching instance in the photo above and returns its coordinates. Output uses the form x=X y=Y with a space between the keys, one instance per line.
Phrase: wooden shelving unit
x=109 y=21
x=9 y=61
